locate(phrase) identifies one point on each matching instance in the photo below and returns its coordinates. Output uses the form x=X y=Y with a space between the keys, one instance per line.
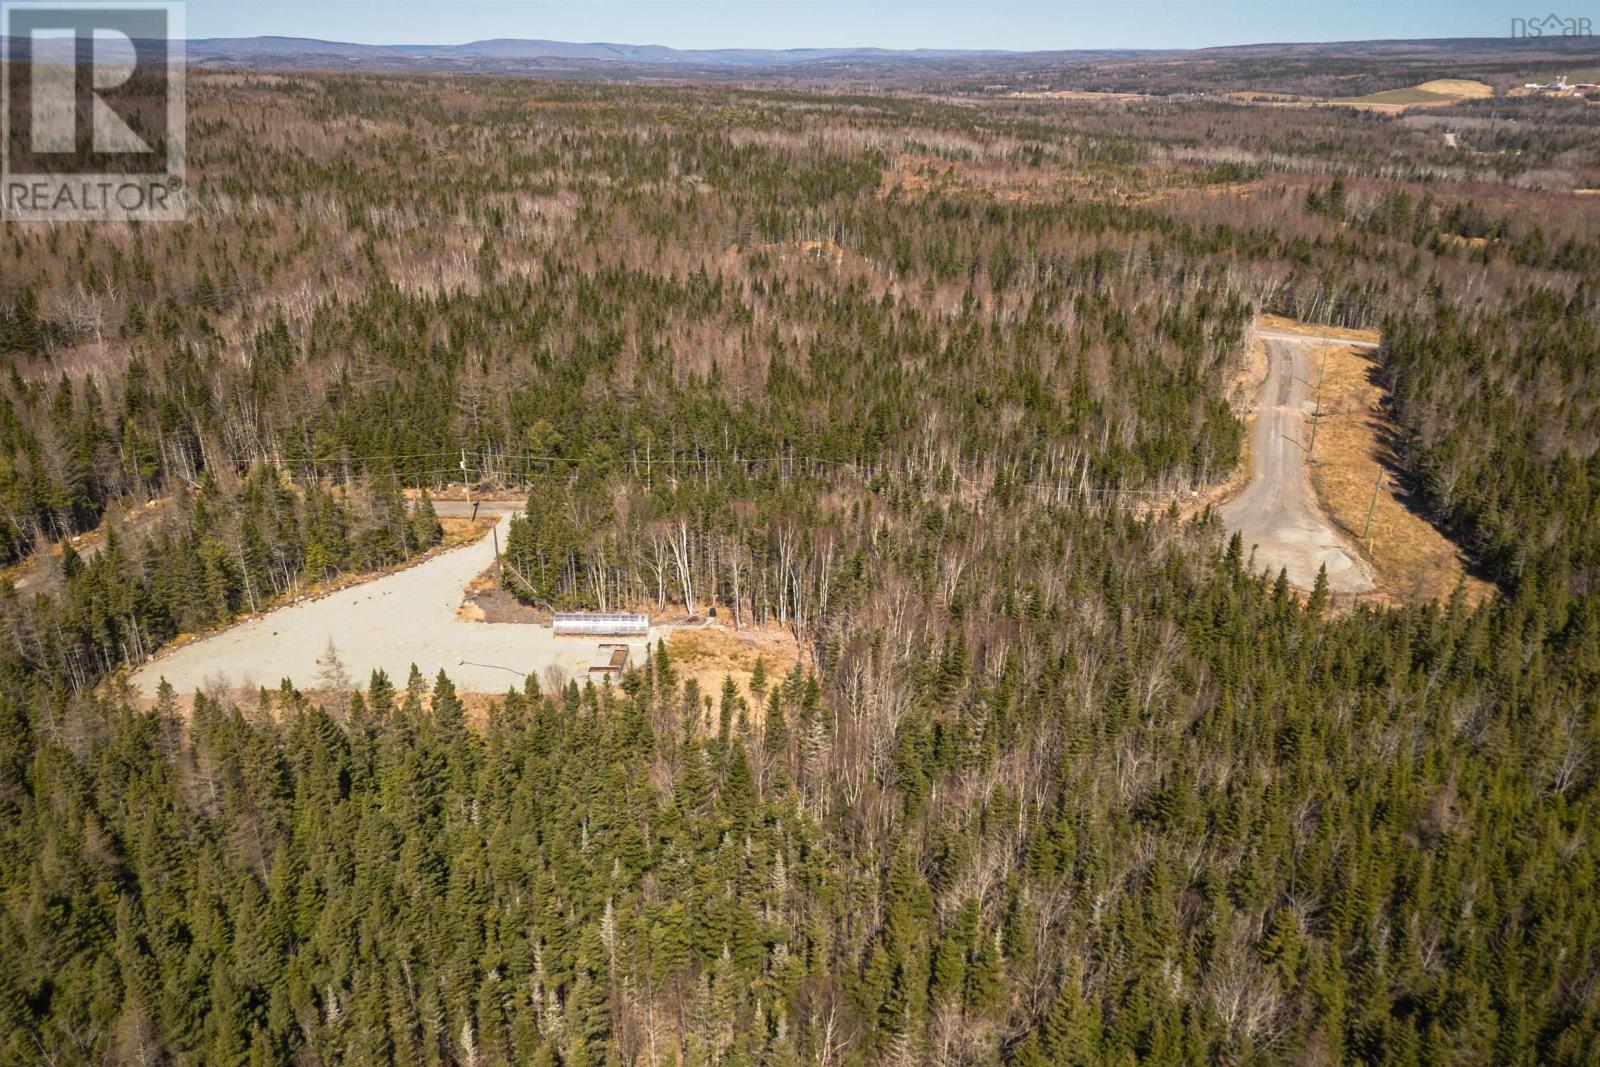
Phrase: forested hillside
x=930 y=385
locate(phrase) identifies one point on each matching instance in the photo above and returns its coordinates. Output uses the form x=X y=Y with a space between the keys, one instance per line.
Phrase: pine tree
x=426 y=530
x=1318 y=601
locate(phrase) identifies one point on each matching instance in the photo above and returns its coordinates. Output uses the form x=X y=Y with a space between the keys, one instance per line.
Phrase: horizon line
x=954 y=50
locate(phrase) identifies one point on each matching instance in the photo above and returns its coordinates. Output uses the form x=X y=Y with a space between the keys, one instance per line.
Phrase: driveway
x=1276 y=514
x=391 y=622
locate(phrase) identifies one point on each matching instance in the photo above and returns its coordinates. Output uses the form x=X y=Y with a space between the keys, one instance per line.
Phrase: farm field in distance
x=1117 y=532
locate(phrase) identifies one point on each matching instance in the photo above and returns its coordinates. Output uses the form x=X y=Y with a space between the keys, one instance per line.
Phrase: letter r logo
x=90 y=82
x=103 y=61
x=93 y=90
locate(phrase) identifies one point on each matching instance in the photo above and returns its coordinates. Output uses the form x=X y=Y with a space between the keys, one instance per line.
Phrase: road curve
x=1276 y=514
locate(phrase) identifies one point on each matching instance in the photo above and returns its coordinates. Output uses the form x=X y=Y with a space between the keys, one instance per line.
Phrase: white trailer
x=600 y=624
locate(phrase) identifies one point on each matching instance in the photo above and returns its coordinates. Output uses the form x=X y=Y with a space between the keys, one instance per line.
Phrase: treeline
x=1461 y=228
x=215 y=555
x=1501 y=421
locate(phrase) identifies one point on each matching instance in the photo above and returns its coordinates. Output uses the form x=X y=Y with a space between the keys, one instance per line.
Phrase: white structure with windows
x=590 y=624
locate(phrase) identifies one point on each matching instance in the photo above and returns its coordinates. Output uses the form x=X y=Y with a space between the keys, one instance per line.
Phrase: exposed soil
x=488 y=601
x=1282 y=526
x=405 y=618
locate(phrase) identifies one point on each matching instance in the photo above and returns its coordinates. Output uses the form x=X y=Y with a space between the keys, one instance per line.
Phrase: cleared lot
x=1276 y=515
x=389 y=623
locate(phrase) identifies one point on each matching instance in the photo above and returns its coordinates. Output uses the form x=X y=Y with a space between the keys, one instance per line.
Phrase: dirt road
x=1276 y=514
x=391 y=622
x=1308 y=338
x=41 y=572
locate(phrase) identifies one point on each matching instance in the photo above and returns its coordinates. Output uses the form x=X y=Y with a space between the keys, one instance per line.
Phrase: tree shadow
x=1405 y=487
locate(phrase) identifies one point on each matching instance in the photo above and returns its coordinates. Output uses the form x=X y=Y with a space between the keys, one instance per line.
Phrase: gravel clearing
x=390 y=623
x=1276 y=515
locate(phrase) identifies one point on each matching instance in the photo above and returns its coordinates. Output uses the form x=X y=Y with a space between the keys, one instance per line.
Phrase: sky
x=1021 y=25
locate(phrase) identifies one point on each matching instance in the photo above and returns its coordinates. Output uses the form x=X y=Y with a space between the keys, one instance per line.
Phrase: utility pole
x=1316 y=414
x=1366 y=531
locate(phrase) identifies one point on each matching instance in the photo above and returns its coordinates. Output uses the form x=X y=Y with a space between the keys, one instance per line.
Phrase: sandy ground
x=1276 y=514
x=391 y=622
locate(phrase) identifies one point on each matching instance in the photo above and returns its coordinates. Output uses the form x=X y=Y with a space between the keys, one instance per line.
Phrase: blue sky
x=1018 y=24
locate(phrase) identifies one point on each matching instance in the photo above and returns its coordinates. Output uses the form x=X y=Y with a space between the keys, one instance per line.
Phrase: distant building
x=1558 y=86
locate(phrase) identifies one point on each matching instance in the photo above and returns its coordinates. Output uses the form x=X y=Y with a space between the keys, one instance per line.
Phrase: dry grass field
x=1436 y=93
x=715 y=653
x=1409 y=557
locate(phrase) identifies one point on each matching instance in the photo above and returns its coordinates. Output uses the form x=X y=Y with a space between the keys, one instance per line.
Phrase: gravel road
x=391 y=622
x=1276 y=513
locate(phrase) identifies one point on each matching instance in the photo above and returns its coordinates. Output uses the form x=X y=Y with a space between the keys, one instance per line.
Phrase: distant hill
x=1330 y=70
x=230 y=49
x=490 y=54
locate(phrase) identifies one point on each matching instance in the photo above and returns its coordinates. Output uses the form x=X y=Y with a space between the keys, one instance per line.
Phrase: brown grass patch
x=1409 y=557
x=915 y=177
x=1280 y=324
x=1462 y=88
x=459 y=532
x=713 y=653
x=1436 y=93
